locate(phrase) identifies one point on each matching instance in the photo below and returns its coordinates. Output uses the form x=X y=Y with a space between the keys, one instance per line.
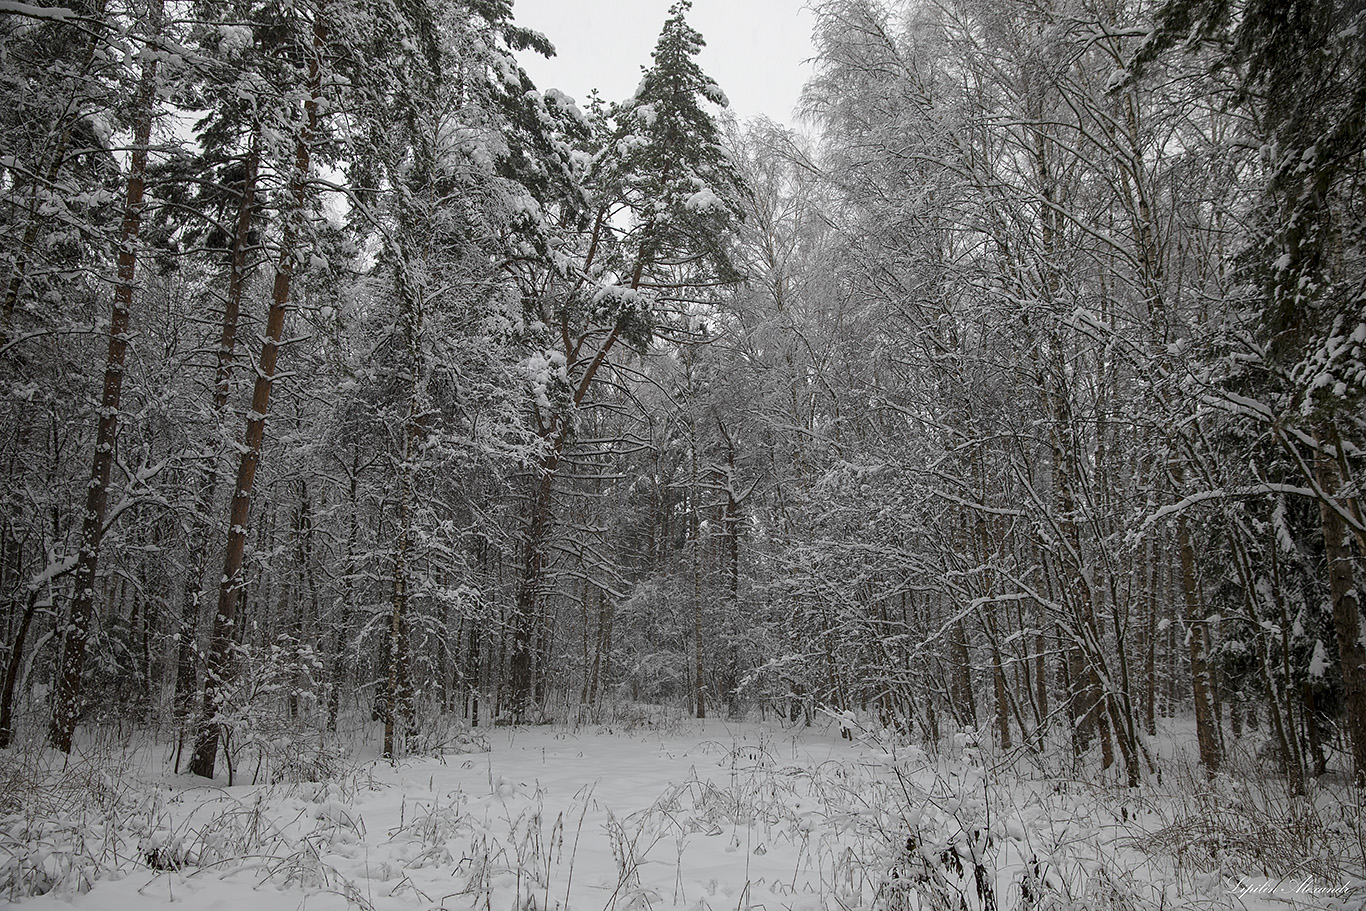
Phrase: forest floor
x=670 y=814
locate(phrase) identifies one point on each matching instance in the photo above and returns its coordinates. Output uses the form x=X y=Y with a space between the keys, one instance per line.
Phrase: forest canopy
x=347 y=377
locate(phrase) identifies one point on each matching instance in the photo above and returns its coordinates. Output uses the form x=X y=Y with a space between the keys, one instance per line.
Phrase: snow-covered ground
x=696 y=816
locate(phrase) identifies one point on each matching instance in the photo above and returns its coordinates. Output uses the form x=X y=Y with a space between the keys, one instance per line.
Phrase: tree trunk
x=348 y=591
x=555 y=434
x=1337 y=554
x=308 y=607
x=219 y=671
x=399 y=701
x=966 y=699
x=475 y=660
x=699 y=690
x=192 y=606
x=602 y=642
x=1201 y=684
x=1150 y=639
x=584 y=625
x=998 y=675
x=526 y=622
x=730 y=518
x=66 y=699
x=16 y=659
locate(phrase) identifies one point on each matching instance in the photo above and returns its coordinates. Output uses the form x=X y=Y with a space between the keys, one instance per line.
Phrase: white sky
x=756 y=49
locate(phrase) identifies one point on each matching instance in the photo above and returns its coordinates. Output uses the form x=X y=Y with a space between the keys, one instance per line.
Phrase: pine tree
x=66 y=700
x=58 y=82
x=306 y=136
x=655 y=237
x=463 y=156
x=60 y=192
x=217 y=195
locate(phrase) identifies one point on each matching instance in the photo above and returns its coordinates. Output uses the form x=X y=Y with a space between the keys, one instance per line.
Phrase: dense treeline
x=1028 y=398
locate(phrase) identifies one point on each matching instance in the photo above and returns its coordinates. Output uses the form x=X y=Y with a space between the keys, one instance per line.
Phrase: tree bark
x=1337 y=554
x=526 y=621
x=191 y=608
x=348 y=591
x=219 y=664
x=1201 y=684
x=399 y=701
x=699 y=689
x=16 y=658
x=66 y=699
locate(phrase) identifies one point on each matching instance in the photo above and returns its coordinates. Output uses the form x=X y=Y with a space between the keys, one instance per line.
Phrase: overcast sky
x=756 y=49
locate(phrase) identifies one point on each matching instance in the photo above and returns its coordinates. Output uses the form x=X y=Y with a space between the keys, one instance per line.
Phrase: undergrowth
x=112 y=809
x=886 y=828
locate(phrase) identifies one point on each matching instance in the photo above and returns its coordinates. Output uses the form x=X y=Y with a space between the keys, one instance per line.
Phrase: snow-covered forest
x=365 y=406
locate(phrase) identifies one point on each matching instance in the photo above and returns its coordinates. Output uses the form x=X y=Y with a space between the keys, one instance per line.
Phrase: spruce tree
x=1296 y=67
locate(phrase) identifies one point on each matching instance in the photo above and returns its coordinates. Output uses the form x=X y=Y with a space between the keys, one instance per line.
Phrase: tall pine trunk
x=219 y=665
x=191 y=607
x=695 y=529
x=66 y=700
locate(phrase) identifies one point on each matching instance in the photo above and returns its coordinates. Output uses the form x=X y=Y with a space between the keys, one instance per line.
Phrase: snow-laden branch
x=51 y=13
x=1221 y=494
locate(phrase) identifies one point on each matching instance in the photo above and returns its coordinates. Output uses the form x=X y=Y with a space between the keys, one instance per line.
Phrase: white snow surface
x=697 y=816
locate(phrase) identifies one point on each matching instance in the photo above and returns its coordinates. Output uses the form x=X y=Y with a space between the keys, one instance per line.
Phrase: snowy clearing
x=681 y=815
